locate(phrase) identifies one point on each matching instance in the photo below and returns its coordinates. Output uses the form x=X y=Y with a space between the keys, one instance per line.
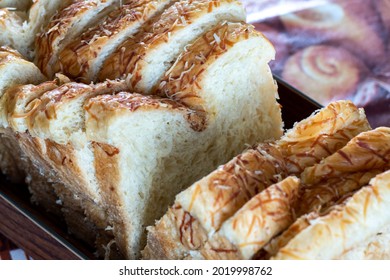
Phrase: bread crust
x=345 y=226
x=318 y=136
x=183 y=81
x=48 y=43
x=322 y=134
x=260 y=219
x=79 y=58
x=131 y=56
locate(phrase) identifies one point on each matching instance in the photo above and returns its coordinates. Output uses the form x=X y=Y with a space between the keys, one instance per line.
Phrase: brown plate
x=43 y=236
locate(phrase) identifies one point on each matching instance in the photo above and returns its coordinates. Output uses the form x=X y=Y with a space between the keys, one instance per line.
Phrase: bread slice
x=12 y=30
x=144 y=60
x=317 y=200
x=260 y=219
x=65 y=26
x=200 y=210
x=19 y=27
x=11 y=65
x=376 y=247
x=336 y=177
x=83 y=58
x=322 y=134
x=345 y=227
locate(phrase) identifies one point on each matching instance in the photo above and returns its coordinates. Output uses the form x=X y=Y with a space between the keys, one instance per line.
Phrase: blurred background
x=331 y=49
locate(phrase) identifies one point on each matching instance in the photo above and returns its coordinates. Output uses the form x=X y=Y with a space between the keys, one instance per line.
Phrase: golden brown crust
x=259 y=220
x=321 y=135
x=182 y=82
x=318 y=200
x=367 y=151
x=346 y=226
x=75 y=59
x=106 y=162
x=56 y=31
x=174 y=236
x=132 y=102
x=218 y=196
x=128 y=59
x=322 y=196
x=273 y=247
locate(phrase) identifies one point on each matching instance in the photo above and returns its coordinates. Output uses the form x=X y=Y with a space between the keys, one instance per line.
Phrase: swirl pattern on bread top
x=326 y=73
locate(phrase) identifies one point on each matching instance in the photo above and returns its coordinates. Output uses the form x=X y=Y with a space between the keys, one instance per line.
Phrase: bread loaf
x=184 y=86
x=203 y=208
x=72 y=134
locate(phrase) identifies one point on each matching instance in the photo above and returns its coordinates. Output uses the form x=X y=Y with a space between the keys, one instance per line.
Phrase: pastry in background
x=374 y=96
x=355 y=27
x=323 y=72
x=383 y=7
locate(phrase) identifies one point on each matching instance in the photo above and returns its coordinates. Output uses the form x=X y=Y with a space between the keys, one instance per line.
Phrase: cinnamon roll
x=324 y=72
x=355 y=27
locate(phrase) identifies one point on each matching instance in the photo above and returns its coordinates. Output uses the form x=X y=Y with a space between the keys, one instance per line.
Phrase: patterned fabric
x=331 y=49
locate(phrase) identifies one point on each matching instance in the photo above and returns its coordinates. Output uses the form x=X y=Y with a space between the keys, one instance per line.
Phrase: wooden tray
x=43 y=236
